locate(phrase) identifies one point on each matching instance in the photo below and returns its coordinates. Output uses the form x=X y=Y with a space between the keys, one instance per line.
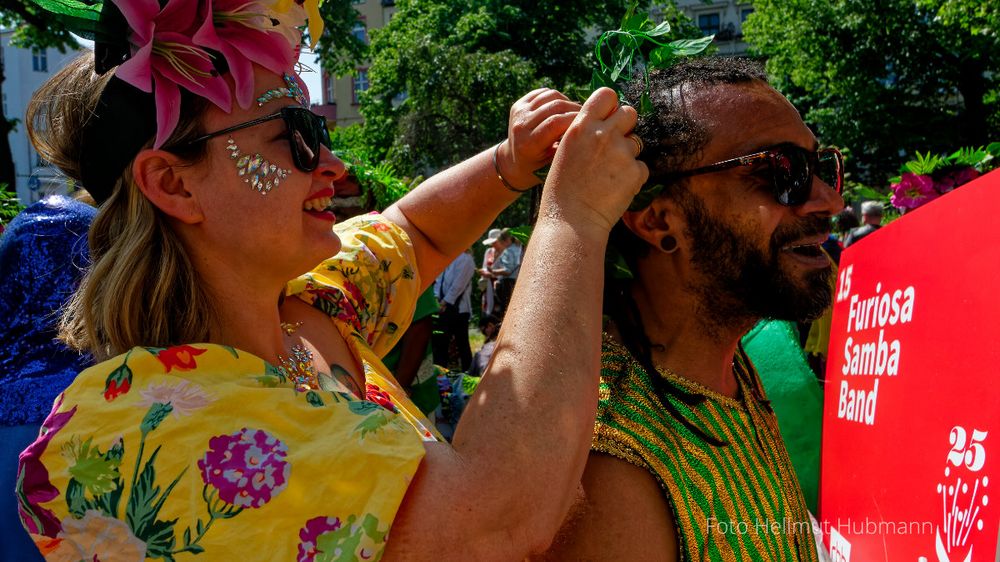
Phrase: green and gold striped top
x=735 y=502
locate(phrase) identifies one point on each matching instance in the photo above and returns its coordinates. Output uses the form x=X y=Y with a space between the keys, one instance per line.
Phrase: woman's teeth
x=317 y=204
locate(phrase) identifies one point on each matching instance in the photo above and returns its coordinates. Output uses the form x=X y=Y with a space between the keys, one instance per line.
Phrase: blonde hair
x=141 y=288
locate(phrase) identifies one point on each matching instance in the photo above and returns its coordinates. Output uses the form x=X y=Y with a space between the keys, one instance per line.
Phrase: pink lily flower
x=913 y=191
x=243 y=33
x=165 y=59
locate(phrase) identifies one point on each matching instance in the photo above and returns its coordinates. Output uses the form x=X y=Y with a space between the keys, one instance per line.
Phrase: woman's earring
x=668 y=244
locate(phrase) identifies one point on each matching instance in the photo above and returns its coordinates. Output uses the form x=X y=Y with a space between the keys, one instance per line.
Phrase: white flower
x=97 y=537
x=184 y=397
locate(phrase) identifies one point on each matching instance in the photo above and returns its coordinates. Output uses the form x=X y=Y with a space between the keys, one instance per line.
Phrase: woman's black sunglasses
x=791 y=168
x=306 y=132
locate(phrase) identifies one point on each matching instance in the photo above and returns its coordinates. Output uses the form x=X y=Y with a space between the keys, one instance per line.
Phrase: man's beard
x=740 y=282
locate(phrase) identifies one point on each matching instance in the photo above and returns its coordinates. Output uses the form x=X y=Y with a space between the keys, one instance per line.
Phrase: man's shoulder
x=865 y=229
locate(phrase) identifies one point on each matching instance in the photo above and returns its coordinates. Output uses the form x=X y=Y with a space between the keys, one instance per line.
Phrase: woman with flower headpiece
x=241 y=416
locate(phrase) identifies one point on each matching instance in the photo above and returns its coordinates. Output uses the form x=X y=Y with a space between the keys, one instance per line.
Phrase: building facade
x=24 y=71
x=341 y=95
x=723 y=18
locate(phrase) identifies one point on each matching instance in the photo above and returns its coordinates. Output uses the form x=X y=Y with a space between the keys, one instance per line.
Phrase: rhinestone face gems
x=262 y=175
x=292 y=90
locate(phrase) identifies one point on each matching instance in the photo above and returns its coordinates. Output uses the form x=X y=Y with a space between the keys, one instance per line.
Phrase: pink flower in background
x=243 y=33
x=955 y=178
x=248 y=468
x=165 y=59
x=913 y=191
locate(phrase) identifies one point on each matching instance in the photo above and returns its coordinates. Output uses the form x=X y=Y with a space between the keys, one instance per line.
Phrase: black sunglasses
x=791 y=168
x=306 y=132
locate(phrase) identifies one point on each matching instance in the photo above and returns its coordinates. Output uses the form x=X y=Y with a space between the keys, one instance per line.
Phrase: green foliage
x=10 y=206
x=522 y=233
x=35 y=27
x=444 y=73
x=639 y=44
x=877 y=75
x=856 y=192
x=431 y=104
x=924 y=164
x=928 y=164
x=380 y=184
x=339 y=51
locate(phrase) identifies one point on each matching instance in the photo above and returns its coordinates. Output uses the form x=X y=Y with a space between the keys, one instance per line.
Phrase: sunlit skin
x=742 y=121
x=241 y=221
x=245 y=246
x=621 y=510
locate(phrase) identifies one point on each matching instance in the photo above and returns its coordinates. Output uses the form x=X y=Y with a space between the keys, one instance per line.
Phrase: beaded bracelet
x=503 y=180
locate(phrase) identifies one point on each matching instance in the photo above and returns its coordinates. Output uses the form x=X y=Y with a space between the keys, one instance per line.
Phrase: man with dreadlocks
x=687 y=462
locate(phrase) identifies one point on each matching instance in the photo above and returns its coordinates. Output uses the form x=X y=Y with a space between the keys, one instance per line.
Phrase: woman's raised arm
x=502 y=490
x=453 y=208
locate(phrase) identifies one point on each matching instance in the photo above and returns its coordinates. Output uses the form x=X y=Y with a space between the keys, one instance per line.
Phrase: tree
x=884 y=78
x=338 y=48
x=444 y=73
x=33 y=28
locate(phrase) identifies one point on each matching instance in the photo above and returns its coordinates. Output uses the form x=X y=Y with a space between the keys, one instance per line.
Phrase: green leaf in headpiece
x=659 y=30
x=691 y=47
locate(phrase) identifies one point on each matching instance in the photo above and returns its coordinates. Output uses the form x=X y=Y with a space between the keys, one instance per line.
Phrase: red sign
x=911 y=430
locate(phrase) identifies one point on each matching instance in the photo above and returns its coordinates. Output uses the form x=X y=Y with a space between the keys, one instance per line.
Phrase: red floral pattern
x=180 y=357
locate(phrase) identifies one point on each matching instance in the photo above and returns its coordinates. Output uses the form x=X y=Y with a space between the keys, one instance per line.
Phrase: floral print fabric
x=192 y=451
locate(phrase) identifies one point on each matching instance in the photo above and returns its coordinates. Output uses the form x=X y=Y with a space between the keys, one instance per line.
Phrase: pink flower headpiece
x=172 y=45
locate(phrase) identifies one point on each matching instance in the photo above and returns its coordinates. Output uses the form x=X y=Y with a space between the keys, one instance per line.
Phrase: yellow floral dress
x=204 y=451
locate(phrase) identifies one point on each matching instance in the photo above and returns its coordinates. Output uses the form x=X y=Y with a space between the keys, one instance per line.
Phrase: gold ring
x=638 y=143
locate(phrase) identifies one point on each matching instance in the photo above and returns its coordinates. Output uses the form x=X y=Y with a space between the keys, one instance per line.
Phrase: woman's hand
x=595 y=173
x=537 y=122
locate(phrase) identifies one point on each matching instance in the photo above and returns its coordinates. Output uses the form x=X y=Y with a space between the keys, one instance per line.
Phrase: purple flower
x=955 y=178
x=913 y=191
x=310 y=534
x=33 y=485
x=248 y=468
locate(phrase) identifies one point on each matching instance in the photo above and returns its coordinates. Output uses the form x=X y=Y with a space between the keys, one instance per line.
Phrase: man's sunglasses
x=306 y=132
x=791 y=168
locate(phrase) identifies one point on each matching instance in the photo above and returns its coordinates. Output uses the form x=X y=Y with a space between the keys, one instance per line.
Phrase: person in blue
x=43 y=252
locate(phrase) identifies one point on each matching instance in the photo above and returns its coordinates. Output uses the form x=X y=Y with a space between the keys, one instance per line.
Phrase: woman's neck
x=247 y=317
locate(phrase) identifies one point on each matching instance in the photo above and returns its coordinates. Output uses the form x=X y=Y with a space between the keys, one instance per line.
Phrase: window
x=360 y=84
x=745 y=13
x=329 y=82
x=709 y=23
x=360 y=32
x=39 y=60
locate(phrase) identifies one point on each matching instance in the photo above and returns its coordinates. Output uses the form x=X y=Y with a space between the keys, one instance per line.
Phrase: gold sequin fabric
x=735 y=502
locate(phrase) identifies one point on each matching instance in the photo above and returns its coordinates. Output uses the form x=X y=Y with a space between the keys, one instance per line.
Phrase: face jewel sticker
x=263 y=176
x=292 y=90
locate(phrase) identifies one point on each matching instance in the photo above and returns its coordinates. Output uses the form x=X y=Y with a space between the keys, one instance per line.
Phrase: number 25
x=973 y=456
